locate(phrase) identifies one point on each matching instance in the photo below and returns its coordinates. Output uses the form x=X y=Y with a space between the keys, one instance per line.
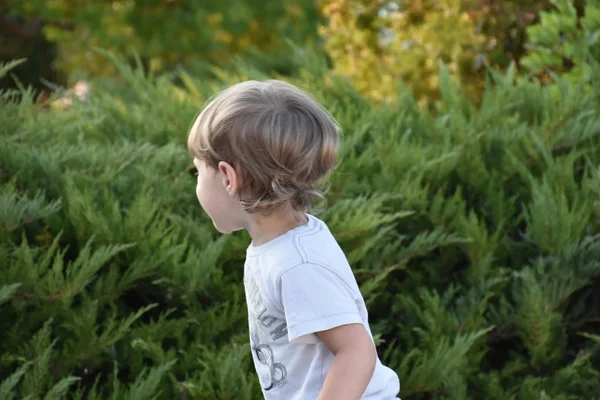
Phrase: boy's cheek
x=203 y=204
x=199 y=196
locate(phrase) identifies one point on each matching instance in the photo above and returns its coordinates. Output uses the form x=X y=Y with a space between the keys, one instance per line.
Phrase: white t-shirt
x=296 y=285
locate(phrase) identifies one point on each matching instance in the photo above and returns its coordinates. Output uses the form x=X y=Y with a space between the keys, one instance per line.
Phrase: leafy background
x=467 y=197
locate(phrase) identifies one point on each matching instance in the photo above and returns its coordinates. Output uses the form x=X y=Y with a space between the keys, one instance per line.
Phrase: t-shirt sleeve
x=315 y=299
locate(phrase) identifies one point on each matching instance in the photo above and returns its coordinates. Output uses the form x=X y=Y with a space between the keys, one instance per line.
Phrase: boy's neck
x=264 y=228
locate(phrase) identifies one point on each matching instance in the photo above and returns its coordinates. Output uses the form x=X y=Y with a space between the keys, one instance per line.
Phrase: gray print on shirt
x=260 y=312
x=271 y=374
x=279 y=331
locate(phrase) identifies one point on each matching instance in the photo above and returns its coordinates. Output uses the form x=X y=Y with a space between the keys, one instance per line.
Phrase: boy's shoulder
x=311 y=243
x=304 y=263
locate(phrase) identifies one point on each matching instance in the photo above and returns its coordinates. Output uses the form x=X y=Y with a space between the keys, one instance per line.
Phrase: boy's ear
x=230 y=178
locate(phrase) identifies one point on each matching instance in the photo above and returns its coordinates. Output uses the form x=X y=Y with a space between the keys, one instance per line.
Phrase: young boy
x=260 y=149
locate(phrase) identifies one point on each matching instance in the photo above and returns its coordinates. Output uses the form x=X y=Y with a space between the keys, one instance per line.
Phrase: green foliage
x=165 y=33
x=565 y=43
x=473 y=232
x=6 y=67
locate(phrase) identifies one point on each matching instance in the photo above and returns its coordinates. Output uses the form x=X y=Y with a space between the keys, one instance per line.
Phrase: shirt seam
x=325 y=317
x=296 y=242
x=311 y=231
x=322 y=266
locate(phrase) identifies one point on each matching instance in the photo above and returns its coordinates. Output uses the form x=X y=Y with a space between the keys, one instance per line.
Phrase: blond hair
x=275 y=135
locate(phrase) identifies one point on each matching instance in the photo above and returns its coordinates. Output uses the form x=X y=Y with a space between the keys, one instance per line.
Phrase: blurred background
x=373 y=43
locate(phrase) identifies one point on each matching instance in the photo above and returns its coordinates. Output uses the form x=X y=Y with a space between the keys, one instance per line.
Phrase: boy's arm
x=353 y=365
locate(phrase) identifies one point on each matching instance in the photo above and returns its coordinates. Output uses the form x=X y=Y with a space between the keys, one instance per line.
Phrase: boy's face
x=214 y=192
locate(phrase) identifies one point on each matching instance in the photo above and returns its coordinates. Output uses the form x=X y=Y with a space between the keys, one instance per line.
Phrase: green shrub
x=473 y=233
x=564 y=43
x=165 y=33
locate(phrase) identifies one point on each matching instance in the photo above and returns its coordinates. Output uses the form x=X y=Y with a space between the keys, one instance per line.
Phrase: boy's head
x=260 y=147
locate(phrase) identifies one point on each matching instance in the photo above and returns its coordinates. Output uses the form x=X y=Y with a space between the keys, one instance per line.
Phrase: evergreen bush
x=564 y=43
x=473 y=233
